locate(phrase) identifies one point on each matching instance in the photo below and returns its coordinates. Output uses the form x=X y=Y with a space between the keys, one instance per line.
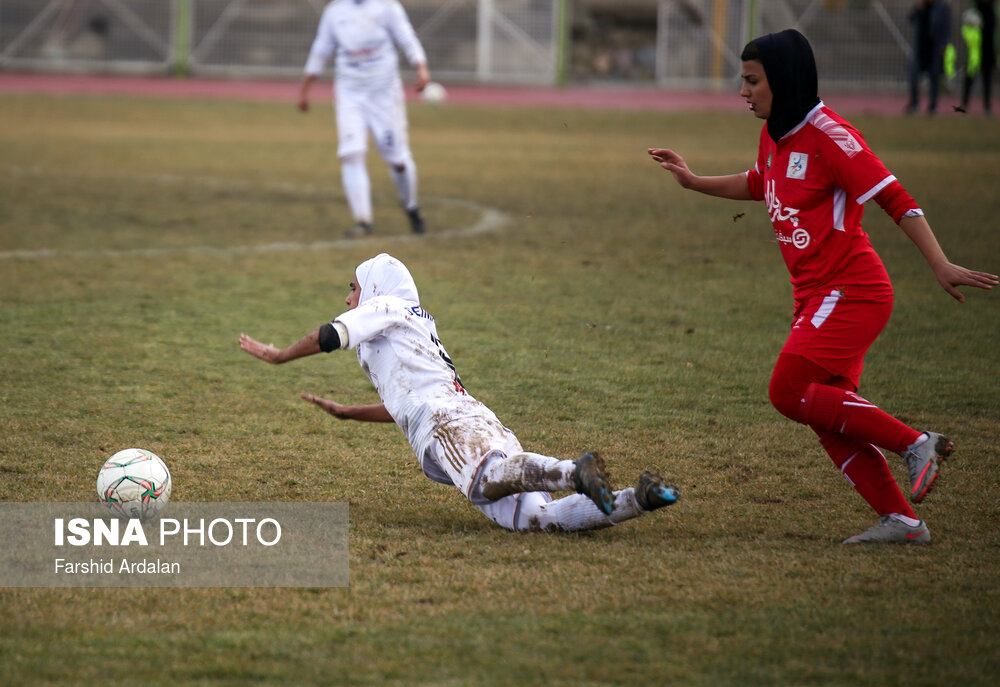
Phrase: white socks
x=920 y=440
x=406 y=183
x=577 y=512
x=526 y=472
x=905 y=520
x=357 y=187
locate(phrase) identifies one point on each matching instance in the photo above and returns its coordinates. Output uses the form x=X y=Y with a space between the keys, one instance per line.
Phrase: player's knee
x=353 y=159
x=396 y=160
x=524 y=512
x=398 y=166
x=530 y=513
x=787 y=397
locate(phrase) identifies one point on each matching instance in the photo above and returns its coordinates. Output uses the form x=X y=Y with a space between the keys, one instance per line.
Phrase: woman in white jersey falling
x=361 y=36
x=457 y=439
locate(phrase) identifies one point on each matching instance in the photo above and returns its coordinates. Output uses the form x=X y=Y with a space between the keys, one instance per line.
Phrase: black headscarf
x=791 y=72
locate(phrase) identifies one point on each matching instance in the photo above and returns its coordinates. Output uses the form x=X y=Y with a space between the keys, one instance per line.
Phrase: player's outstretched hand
x=368 y=413
x=266 y=352
x=951 y=276
x=673 y=163
x=332 y=407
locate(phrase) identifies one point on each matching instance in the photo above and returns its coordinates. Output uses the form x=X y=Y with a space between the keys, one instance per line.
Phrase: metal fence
x=88 y=35
x=860 y=44
x=471 y=40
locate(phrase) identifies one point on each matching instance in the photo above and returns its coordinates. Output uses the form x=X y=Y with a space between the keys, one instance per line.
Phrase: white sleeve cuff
x=341 y=332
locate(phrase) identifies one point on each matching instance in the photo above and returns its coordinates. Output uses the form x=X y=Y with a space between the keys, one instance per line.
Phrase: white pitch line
x=490 y=219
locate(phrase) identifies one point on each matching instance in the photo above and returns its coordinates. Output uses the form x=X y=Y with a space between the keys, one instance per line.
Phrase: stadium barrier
x=860 y=45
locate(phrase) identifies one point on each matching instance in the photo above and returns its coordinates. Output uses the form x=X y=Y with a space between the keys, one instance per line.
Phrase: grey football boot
x=889 y=530
x=923 y=461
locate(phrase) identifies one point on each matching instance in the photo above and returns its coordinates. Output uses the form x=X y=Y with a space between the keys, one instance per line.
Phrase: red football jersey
x=815 y=181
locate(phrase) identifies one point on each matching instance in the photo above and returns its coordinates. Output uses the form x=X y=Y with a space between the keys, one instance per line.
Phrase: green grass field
x=609 y=310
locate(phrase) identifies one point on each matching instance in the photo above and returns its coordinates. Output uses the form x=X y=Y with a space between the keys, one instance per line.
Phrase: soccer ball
x=433 y=93
x=134 y=483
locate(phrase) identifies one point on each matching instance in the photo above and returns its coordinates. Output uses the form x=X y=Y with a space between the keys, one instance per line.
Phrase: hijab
x=384 y=275
x=791 y=72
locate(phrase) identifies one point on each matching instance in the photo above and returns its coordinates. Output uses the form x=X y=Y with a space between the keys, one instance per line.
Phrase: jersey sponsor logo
x=359 y=57
x=800 y=238
x=797 y=164
x=779 y=213
x=419 y=312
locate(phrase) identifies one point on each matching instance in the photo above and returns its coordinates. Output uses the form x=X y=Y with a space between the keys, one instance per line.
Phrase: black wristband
x=329 y=339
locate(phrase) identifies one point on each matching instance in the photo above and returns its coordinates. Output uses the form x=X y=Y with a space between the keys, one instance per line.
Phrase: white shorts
x=383 y=112
x=458 y=452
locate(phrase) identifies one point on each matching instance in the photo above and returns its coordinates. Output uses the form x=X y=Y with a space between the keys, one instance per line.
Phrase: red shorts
x=835 y=331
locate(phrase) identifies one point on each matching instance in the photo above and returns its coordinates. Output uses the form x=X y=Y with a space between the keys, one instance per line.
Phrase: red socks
x=803 y=391
x=865 y=468
x=849 y=428
x=829 y=409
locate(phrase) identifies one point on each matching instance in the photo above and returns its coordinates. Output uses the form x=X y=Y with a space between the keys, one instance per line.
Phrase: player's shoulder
x=390 y=305
x=348 y=5
x=367 y=4
x=335 y=7
x=830 y=129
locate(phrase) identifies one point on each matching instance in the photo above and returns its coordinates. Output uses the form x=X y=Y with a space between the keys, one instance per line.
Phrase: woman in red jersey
x=815 y=172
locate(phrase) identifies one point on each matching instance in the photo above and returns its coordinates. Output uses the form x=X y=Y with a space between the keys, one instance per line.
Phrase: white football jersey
x=398 y=348
x=362 y=37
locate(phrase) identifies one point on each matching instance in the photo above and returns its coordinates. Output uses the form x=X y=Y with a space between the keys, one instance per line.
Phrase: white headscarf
x=384 y=275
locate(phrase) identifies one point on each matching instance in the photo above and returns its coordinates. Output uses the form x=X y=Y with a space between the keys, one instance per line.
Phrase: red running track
x=591 y=97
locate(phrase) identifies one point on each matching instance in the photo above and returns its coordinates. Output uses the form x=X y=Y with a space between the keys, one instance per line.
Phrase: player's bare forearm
x=949 y=275
x=366 y=413
x=304 y=86
x=732 y=186
x=269 y=353
x=423 y=76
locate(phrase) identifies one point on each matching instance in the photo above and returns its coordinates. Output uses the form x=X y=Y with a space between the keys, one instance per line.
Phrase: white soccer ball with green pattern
x=134 y=483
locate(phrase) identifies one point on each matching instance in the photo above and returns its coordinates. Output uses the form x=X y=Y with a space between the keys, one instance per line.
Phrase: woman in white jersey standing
x=362 y=37
x=457 y=439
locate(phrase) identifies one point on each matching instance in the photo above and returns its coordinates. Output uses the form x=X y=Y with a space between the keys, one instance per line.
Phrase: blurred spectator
x=978 y=27
x=931 y=21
